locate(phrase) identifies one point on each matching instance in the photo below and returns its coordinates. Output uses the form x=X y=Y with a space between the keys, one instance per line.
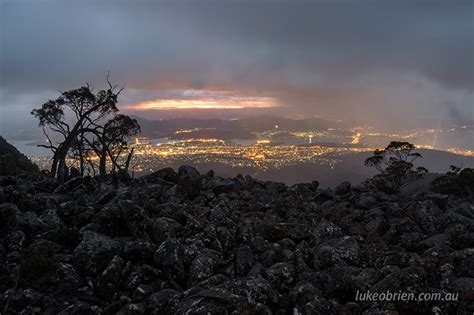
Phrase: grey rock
x=94 y=252
x=163 y=302
x=345 y=247
x=169 y=257
x=278 y=231
x=202 y=267
x=78 y=308
x=109 y=280
x=8 y=218
x=133 y=309
x=30 y=223
x=136 y=219
x=139 y=251
x=189 y=181
x=219 y=185
x=185 y=243
x=167 y=174
x=244 y=260
x=464 y=285
x=70 y=279
x=51 y=218
x=366 y=201
x=433 y=241
x=342 y=188
x=281 y=275
x=325 y=231
x=163 y=228
x=141 y=292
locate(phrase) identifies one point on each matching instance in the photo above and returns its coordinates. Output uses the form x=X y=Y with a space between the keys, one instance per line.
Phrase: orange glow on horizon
x=230 y=102
x=184 y=104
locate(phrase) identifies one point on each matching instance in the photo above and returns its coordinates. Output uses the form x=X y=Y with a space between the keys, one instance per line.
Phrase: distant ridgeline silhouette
x=13 y=162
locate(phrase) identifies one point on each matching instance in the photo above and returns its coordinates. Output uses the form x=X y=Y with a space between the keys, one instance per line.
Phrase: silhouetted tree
x=395 y=166
x=111 y=141
x=78 y=114
x=456 y=181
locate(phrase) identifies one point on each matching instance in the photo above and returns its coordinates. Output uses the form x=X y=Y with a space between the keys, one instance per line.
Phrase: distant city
x=275 y=148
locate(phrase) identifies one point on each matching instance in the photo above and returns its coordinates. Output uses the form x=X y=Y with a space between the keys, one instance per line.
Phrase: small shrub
x=456 y=181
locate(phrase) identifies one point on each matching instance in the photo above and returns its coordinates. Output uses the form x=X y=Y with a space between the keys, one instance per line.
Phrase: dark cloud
x=330 y=57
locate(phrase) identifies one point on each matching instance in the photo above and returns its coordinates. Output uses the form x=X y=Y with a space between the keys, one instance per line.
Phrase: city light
x=269 y=151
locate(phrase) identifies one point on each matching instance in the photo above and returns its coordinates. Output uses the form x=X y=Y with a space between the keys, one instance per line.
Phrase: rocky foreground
x=185 y=243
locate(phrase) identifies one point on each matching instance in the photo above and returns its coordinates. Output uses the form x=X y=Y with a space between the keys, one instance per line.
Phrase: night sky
x=370 y=60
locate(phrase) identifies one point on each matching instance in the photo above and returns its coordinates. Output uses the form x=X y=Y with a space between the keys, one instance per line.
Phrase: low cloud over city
x=370 y=60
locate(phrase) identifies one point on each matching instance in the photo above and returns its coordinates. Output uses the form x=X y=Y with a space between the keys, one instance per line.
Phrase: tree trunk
x=57 y=158
x=62 y=170
x=54 y=165
x=103 y=163
x=129 y=158
x=115 y=165
x=81 y=156
x=92 y=166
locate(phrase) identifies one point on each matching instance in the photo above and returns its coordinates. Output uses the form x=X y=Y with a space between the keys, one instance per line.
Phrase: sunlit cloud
x=204 y=99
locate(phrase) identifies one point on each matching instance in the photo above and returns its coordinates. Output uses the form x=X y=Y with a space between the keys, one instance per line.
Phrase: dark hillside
x=12 y=161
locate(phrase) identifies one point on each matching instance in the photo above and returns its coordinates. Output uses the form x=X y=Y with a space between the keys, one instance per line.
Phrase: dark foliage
x=456 y=181
x=88 y=124
x=395 y=166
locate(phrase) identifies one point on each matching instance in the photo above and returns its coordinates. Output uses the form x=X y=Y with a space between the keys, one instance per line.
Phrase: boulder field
x=189 y=243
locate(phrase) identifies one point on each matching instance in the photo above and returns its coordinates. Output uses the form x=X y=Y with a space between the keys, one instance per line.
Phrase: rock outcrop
x=187 y=243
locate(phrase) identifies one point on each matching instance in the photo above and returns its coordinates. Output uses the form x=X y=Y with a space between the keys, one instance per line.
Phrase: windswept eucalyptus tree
x=81 y=118
x=395 y=165
x=110 y=141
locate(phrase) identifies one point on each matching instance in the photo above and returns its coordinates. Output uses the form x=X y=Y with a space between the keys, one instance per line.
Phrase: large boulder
x=95 y=252
x=163 y=302
x=169 y=257
x=244 y=260
x=412 y=280
x=281 y=275
x=135 y=219
x=163 y=228
x=325 y=231
x=241 y=296
x=342 y=188
x=189 y=181
x=109 y=281
x=278 y=231
x=166 y=174
x=220 y=185
x=202 y=267
x=347 y=248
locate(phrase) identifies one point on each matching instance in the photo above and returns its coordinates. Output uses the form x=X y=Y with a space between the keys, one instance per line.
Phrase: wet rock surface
x=189 y=243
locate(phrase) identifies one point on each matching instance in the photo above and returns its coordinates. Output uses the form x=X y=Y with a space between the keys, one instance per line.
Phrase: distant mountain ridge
x=241 y=128
x=350 y=168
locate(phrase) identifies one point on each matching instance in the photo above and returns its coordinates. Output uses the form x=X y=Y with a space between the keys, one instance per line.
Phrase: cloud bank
x=343 y=59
